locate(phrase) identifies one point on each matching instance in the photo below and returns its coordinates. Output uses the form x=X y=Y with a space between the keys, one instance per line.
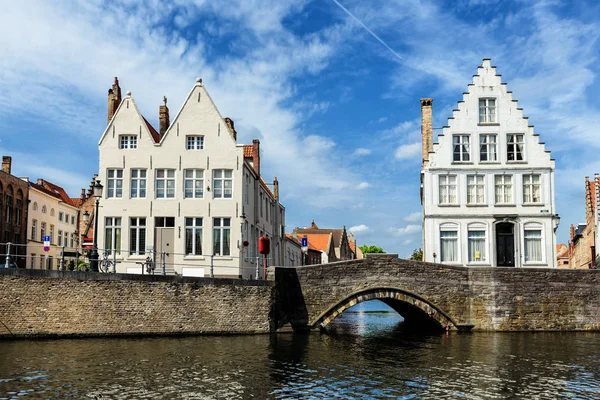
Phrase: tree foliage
x=417 y=255
x=370 y=249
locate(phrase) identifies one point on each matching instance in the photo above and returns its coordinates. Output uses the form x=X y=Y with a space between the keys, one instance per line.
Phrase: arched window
x=449 y=243
x=44 y=210
x=9 y=205
x=35 y=206
x=52 y=212
x=19 y=208
x=476 y=236
x=533 y=243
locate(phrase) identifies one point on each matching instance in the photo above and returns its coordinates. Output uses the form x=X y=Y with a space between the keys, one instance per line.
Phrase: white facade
x=488 y=183
x=48 y=215
x=184 y=193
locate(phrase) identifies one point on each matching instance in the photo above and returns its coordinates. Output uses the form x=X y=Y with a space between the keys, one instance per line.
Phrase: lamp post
x=94 y=254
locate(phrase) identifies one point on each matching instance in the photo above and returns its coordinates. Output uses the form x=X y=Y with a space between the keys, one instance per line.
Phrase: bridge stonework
x=478 y=298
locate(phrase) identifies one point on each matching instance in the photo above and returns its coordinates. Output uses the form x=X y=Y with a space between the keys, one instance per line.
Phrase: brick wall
x=53 y=303
x=489 y=299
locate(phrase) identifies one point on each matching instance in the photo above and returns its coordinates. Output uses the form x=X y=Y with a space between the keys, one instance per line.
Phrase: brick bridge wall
x=53 y=303
x=488 y=299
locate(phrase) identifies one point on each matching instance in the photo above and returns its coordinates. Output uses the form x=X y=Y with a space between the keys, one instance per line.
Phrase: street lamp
x=94 y=254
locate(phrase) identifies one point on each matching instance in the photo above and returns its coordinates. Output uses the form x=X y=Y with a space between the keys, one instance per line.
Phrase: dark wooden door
x=505 y=245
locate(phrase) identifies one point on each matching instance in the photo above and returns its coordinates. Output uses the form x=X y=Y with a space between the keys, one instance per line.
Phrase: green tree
x=370 y=249
x=417 y=255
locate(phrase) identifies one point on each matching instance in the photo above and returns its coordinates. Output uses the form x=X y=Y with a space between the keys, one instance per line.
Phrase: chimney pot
x=6 y=164
x=256 y=156
x=114 y=99
x=426 y=128
x=163 y=117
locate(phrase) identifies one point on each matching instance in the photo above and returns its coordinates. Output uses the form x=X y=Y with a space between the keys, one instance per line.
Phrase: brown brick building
x=14 y=198
x=582 y=248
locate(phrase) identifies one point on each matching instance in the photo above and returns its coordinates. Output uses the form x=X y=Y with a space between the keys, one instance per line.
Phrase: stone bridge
x=441 y=296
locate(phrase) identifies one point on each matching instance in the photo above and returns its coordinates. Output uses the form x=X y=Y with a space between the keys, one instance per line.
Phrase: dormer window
x=195 y=142
x=487 y=111
x=127 y=142
x=462 y=148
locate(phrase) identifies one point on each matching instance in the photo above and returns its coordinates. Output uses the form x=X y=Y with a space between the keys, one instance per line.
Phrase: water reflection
x=364 y=355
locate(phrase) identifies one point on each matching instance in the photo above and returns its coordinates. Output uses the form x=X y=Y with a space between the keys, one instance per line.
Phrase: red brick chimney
x=426 y=129
x=6 y=164
x=256 y=156
x=114 y=99
x=589 y=201
x=276 y=188
x=163 y=117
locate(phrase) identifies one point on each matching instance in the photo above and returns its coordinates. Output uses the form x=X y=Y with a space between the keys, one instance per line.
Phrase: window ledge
x=490 y=162
x=533 y=204
x=222 y=258
x=479 y=264
x=477 y=205
x=449 y=205
x=191 y=257
x=505 y=205
x=488 y=124
x=535 y=264
x=516 y=162
x=463 y=162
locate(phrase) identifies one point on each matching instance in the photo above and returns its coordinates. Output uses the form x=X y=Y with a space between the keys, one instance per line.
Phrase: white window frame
x=503 y=185
x=61 y=216
x=138 y=184
x=43 y=227
x=114 y=183
x=528 y=182
x=478 y=187
x=477 y=227
x=488 y=111
x=194 y=142
x=531 y=227
x=193 y=227
x=512 y=147
x=219 y=229
x=195 y=178
x=113 y=224
x=127 y=142
x=450 y=228
x=34 y=229
x=444 y=181
x=60 y=238
x=137 y=231
x=484 y=142
x=221 y=182
x=166 y=180
x=461 y=141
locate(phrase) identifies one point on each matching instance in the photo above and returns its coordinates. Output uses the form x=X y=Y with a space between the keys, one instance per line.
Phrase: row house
x=583 y=250
x=54 y=214
x=14 y=197
x=333 y=244
x=188 y=196
x=487 y=185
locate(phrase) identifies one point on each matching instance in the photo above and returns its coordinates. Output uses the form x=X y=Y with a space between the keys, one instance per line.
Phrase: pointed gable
x=128 y=120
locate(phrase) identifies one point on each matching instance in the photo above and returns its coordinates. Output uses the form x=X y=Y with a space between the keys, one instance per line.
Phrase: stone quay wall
x=486 y=299
x=41 y=303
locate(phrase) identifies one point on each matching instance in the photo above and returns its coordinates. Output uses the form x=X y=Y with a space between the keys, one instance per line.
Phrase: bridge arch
x=414 y=309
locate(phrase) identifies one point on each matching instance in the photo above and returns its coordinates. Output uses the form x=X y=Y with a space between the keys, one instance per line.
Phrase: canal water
x=365 y=354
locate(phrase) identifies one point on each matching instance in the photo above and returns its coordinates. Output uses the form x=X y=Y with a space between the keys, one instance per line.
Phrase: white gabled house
x=189 y=192
x=487 y=185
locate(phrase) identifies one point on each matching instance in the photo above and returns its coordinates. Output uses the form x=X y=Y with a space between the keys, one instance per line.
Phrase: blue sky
x=336 y=110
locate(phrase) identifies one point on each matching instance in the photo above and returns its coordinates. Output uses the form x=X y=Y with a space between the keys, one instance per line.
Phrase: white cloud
x=408 y=151
x=363 y=185
x=359 y=228
x=407 y=230
x=361 y=151
x=413 y=217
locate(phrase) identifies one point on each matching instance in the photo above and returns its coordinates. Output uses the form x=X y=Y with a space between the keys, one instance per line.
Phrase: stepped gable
x=488 y=79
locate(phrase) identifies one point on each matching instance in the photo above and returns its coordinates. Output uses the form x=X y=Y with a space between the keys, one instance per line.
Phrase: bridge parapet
x=491 y=299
